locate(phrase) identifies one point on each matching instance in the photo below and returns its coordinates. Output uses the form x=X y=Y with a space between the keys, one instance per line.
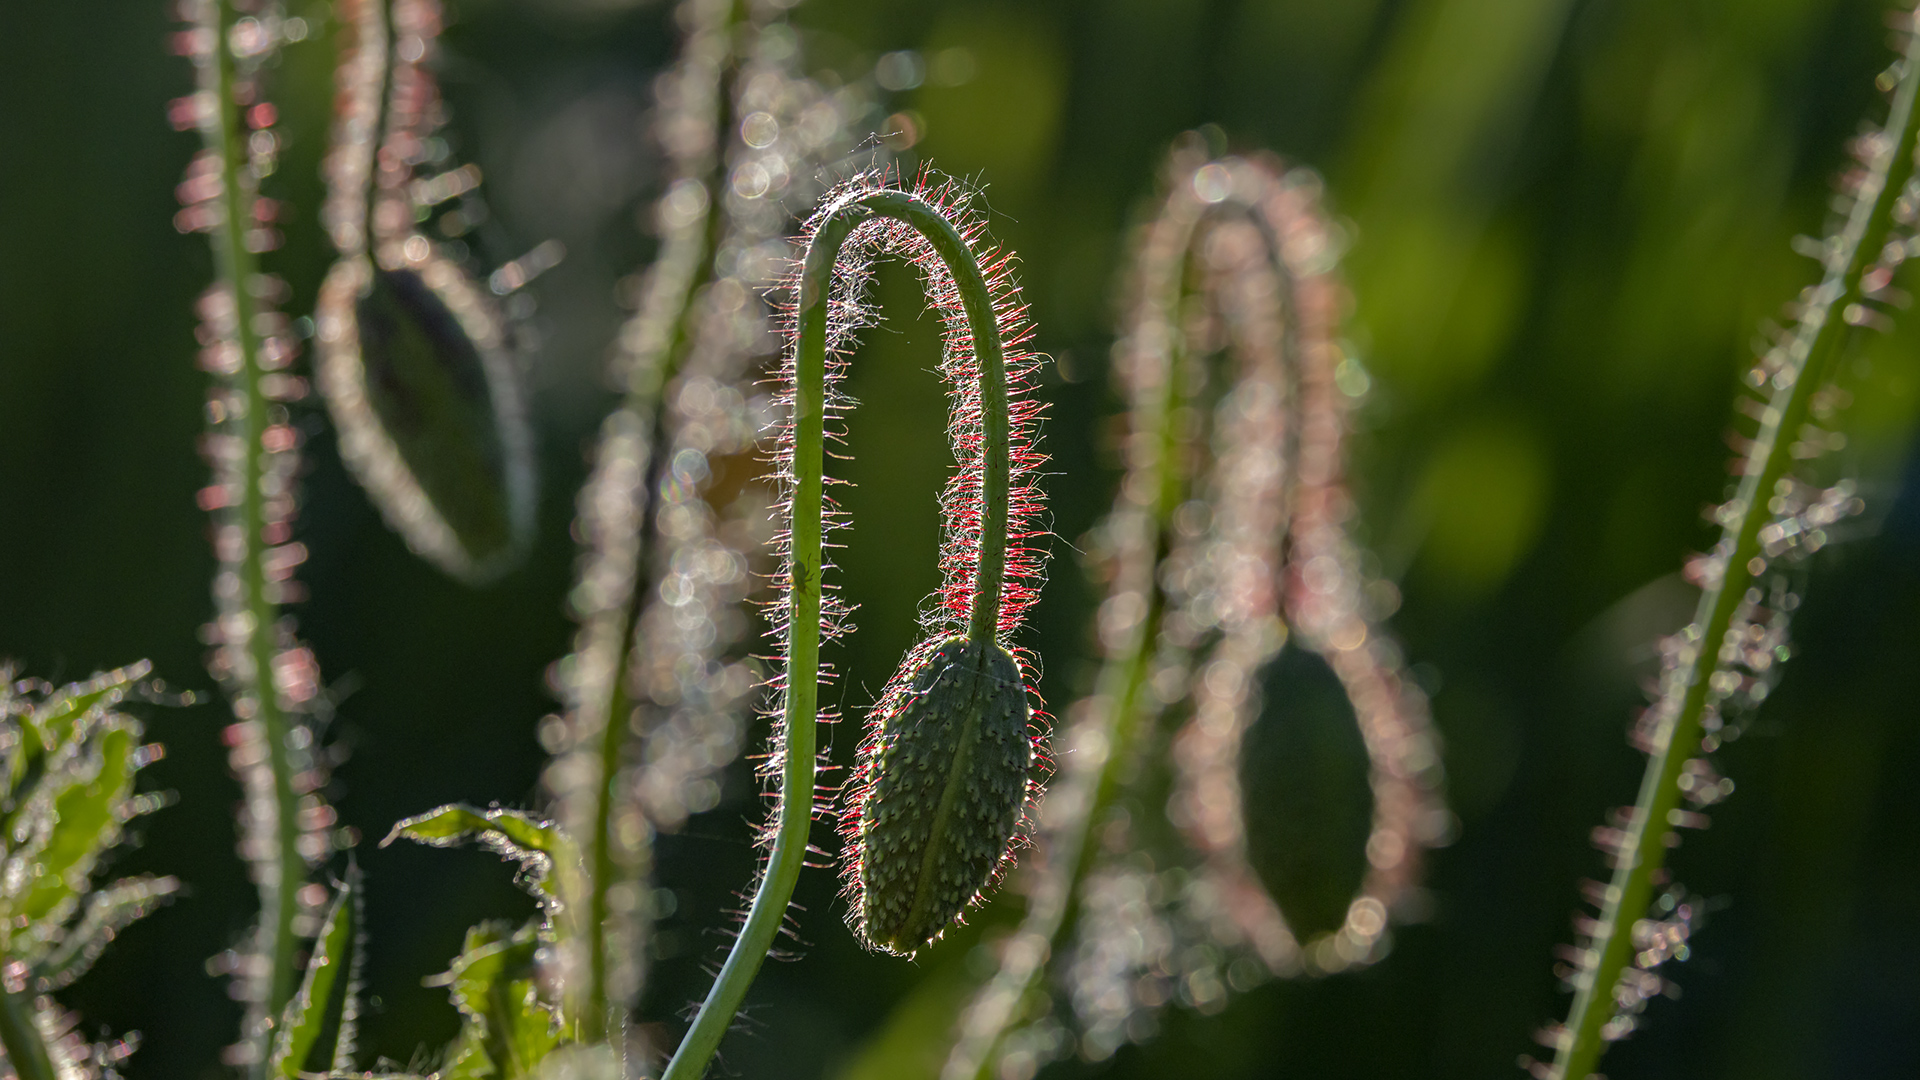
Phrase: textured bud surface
x=949 y=780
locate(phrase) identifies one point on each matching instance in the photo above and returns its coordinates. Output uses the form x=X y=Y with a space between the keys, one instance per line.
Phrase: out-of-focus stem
x=1093 y=774
x=1810 y=361
x=651 y=343
x=26 y=1050
x=256 y=699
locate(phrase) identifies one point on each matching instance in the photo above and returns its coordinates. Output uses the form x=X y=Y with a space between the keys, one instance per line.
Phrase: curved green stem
x=1810 y=361
x=795 y=814
x=236 y=267
x=1091 y=783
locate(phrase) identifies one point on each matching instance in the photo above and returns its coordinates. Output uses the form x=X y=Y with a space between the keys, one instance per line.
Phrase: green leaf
x=50 y=724
x=507 y=1030
x=316 y=1032
x=109 y=911
x=55 y=719
x=533 y=843
x=84 y=804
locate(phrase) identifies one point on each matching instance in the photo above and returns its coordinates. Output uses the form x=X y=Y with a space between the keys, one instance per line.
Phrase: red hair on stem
x=963 y=671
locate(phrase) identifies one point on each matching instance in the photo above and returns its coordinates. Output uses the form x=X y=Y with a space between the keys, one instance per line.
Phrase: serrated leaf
x=84 y=820
x=55 y=719
x=506 y=1030
x=533 y=843
x=47 y=725
x=108 y=912
x=317 y=1029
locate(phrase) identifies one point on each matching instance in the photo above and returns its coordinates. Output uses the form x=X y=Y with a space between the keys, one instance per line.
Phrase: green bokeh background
x=1568 y=219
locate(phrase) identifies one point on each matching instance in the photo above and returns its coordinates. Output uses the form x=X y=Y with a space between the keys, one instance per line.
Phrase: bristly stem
x=801 y=680
x=237 y=266
x=615 y=510
x=1810 y=358
x=1093 y=771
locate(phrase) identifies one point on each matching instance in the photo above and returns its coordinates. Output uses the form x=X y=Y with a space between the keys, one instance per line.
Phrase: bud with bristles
x=415 y=359
x=950 y=778
x=948 y=747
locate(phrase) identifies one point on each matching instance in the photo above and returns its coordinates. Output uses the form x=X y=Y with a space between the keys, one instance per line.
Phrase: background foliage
x=1568 y=219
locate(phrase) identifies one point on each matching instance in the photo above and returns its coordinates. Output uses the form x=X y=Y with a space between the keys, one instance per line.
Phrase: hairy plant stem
x=685 y=269
x=256 y=699
x=680 y=272
x=1092 y=783
x=799 y=709
x=1811 y=357
x=660 y=330
x=20 y=1036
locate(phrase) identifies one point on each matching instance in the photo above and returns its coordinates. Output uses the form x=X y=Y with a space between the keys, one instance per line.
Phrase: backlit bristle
x=961 y=504
x=1228 y=542
x=252 y=444
x=1724 y=663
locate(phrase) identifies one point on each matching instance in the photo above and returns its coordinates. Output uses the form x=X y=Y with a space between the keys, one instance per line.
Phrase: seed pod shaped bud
x=948 y=782
x=416 y=372
x=1304 y=778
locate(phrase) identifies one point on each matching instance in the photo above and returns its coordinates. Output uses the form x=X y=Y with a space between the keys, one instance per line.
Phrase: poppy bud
x=947 y=783
x=415 y=370
x=1304 y=777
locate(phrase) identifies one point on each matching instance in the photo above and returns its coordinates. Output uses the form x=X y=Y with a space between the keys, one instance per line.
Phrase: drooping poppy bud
x=947 y=783
x=415 y=370
x=1304 y=776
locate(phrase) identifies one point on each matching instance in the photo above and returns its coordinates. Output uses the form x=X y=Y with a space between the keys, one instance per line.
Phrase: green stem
x=26 y=1050
x=795 y=814
x=1811 y=358
x=680 y=269
x=236 y=267
x=659 y=332
x=1118 y=686
x=593 y=1018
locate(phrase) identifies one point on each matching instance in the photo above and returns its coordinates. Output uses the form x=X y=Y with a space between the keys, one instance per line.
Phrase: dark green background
x=1568 y=220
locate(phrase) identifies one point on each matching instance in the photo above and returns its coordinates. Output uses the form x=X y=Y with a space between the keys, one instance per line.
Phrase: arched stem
x=795 y=814
x=1810 y=361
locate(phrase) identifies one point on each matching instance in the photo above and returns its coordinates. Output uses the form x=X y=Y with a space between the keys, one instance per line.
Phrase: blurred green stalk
x=236 y=266
x=26 y=1050
x=1811 y=357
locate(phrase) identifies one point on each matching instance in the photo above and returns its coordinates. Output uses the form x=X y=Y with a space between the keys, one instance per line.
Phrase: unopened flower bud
x=948 y=781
